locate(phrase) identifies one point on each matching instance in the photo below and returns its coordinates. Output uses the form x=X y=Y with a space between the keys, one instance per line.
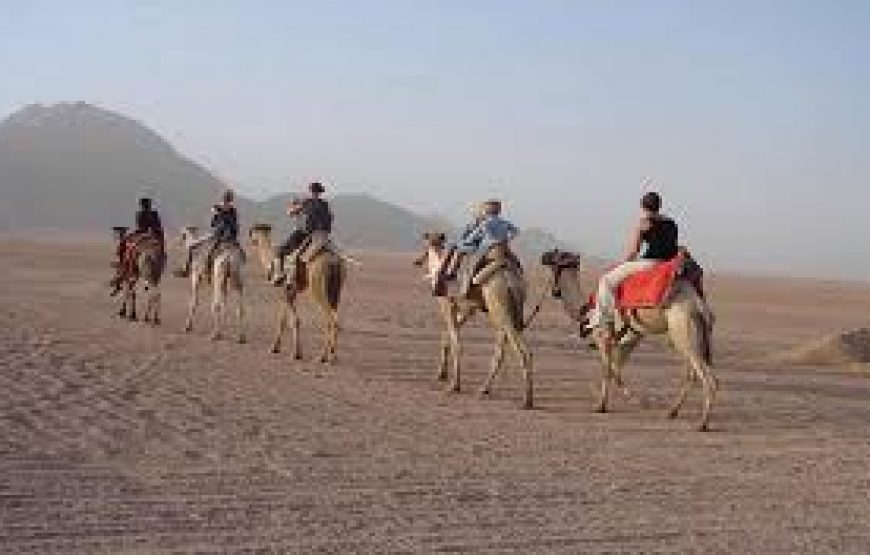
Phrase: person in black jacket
x=316 y=216
x=148 y=224
x=224 y=229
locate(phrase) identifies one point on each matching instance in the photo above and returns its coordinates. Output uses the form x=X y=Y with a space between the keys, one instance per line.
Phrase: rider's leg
x=283 y=250
x=605 y=300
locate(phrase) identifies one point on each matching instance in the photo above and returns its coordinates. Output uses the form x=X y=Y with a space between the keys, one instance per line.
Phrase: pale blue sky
x=752 y=116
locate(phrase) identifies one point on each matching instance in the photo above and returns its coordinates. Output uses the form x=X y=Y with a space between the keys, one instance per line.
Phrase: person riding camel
x=659 y=233
x=492 y=231
x=316 y=216
x=224 y=229
x=450 y=262
x=148 y=224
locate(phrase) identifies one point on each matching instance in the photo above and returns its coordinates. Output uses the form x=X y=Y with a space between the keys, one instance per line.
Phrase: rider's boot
x=278 y=277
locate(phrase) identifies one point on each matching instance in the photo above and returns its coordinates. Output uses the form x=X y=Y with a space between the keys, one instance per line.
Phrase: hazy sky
x=753 y=117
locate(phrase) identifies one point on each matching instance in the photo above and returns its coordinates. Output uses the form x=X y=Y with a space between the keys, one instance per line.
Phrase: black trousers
x=293 y=242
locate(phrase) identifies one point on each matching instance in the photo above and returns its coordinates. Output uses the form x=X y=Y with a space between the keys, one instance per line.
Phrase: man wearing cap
x=316 y=216
x=491 y=231
x=224 y=229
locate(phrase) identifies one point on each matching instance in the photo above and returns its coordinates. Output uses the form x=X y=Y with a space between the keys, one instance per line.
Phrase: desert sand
x=120 y=437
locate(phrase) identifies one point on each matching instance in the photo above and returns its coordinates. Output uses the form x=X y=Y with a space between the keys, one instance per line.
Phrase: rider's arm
x=472 y=240
x=512 y=231
x=635 y=242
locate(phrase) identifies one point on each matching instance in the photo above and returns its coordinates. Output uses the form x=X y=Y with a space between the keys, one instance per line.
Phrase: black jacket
x=149 y=221
x=317 y=215
x=225 y=223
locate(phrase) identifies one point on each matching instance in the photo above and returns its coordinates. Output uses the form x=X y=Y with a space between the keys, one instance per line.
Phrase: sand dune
x=119 y=437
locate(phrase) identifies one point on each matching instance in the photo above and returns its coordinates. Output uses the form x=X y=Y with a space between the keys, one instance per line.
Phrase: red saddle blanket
x=647 y=288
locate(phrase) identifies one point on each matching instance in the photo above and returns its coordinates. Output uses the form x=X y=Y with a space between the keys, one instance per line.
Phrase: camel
x=502 y=295
x=147 y=272
x=226 y=272
x=324 y=278
x=684 y=319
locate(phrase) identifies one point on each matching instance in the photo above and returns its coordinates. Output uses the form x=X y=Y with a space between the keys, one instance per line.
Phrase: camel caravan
x=657 y=289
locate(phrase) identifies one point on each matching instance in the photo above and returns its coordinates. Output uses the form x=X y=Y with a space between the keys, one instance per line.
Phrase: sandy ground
x=118 y=437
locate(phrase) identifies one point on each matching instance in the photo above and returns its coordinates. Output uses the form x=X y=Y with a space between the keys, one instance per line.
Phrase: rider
x=491 y=231
x=148 y=224
x=224 y=229
x=659 y=233
x=450 y=262
x=316 y=216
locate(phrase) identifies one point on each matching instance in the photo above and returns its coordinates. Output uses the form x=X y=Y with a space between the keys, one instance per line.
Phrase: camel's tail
x=334 y=281
x=705 y=331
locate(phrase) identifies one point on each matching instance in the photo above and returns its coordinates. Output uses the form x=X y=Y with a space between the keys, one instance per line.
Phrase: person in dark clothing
x=655 y=230
x=148 y=224
x=224 y=229
x=316 y=216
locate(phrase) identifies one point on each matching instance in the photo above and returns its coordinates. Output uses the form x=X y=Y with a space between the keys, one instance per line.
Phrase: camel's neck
x=573 y=299
x=265 y=251
x=434 y=260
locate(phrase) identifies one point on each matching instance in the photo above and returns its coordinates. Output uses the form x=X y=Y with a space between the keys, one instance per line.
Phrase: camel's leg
x=333 y=335
x=684 y=331
x=294 y=329
x=155 y=317
x=622 y=352
x=444 y=358
x=455 y=348
x=518 y=342
x=193 y=302
x=240 y=310
x=497 y=361
x=219 y=305
x=146 y=317
x=607 y=360
x=327 y=320
x=685 y=387
x=283 y=309
x=123 y=310
x=133 y=317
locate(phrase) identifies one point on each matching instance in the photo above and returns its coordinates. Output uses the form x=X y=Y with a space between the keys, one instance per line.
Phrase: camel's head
x=188 y=233
x=260 y=235
x=434 y=239
x=119 y=232
x=557 y=262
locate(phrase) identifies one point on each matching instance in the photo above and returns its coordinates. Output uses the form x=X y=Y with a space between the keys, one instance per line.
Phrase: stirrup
x=278 y=279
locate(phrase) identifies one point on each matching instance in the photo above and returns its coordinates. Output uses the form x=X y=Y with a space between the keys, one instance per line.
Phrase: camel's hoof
x=443 y=377
x=133 y=318
x=188 y=328
x=275 y=349
x=156 y=321
x=297 y=356
x=528 y=405
x=122 y=314
x=672 y=414
x=215 y=337
x=601 y=409
x=704 y=427
x=453 y=388
x=483 y=394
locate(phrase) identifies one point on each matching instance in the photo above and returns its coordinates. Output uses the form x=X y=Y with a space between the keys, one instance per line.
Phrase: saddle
x=297 y=261
x=128 y=252
x=214 y=248
x=651 y=288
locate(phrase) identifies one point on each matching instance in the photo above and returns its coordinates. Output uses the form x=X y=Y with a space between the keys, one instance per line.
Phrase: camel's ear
x=441 y=237
x=427 y=236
